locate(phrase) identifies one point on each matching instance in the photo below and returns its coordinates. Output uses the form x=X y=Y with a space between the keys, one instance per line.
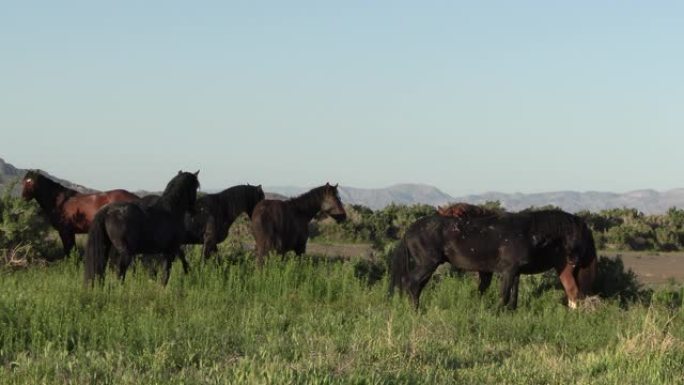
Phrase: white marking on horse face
x=29 y=180
x=572 y=304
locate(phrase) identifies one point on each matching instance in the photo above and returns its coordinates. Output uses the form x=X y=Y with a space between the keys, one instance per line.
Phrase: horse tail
x=588 y=267
x=399 y=265
x=97 y=248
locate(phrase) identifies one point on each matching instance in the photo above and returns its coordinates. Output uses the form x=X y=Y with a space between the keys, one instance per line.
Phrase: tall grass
x=312 y=322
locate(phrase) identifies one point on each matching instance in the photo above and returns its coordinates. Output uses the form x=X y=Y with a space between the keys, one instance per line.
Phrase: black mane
x=45 y=182
x=245 y=194
x=283 y=226
x=48 y=193
x=310 y=201
x=180 y=192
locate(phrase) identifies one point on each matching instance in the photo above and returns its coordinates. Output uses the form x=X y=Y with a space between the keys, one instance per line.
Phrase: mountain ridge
x=648 y=201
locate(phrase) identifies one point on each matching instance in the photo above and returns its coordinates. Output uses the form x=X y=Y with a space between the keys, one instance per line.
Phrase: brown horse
x=283 y=226
x=68 y=211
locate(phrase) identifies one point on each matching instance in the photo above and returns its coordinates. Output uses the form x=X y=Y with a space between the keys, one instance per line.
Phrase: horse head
x=332 y=205
x=30 y=183
x=182 y=190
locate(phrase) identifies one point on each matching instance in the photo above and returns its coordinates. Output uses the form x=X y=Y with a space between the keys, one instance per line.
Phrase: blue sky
x=471 y=97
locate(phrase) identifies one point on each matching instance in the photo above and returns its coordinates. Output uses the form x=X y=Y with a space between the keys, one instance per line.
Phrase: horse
x=510 y=244
x=215 y=213
x=283 y=226
x=465 y=210
x=67 y=210
x=139 y=228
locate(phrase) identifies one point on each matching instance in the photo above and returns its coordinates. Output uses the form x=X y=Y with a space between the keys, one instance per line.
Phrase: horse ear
x=180 y=172
x=196 y=172
x=336 y=184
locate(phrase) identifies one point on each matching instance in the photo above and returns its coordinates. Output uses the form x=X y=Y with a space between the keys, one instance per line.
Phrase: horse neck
x=309 y=204
x=554 y=225
x=174 y=202
x=48 y=198
x=232 y=202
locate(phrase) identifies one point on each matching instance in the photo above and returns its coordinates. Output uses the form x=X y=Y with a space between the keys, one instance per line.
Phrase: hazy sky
x=471 y=96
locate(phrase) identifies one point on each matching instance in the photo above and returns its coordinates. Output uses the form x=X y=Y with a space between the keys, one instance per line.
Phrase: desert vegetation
x=318 y=320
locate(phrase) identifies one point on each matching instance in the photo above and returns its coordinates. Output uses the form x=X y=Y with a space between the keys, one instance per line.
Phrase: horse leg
x=260 y=248
x=168 y=261
x=149 y=262
x=259 y=253
x=565 y=273
x=186 y=265
x=68 y=238
x=485 y=281
x=124 y=261
x=509 y=288
x=418 y=278
x=513 y=299
x=210 y=247
x=300 y=248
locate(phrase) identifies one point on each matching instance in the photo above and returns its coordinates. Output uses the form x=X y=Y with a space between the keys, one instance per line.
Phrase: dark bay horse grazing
x=467 y=211
x=139 y=228
x=510 y=244
x=283 y=226
x=208 y=225
x=68 y=211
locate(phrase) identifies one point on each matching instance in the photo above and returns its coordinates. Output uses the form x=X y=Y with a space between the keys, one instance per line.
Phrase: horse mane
x=556 y=223
x=244 y=195
x=48 y=189
x=176 y=193
x=45 y=180
x=238 y=191
x=310 y=201
x=465 y=210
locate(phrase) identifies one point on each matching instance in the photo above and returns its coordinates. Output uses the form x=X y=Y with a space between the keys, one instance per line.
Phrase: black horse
x=510 y=244
x=283 y=226
x=208 y=225
x=140 y=228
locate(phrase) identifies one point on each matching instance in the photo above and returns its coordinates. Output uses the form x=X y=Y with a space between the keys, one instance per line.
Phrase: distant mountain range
x=406 y=194
x=9 y=173
x=647 y=201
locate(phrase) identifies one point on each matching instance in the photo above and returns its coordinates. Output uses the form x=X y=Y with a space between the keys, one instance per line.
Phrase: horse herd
x=469 y=237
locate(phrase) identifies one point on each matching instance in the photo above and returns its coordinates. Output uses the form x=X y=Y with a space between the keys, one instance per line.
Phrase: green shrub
x=24 y=233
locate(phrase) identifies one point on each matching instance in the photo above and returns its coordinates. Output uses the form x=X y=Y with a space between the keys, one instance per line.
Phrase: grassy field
x=308 y=322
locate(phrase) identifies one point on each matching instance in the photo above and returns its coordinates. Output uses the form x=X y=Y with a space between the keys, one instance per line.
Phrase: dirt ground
x=652 y=268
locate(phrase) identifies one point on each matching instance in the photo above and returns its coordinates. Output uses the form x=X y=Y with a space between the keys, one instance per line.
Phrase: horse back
x=207 y=209
x=78 y=211
x=483 y=244
x=270 y=214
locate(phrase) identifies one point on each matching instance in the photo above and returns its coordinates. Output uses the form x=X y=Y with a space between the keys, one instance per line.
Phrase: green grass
x=308 y=322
